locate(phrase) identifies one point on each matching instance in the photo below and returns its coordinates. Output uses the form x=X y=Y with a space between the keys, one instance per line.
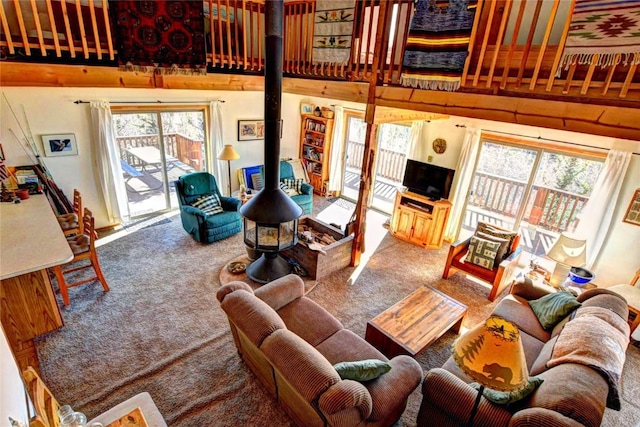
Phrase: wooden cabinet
x=315 y=149
x=418 y=220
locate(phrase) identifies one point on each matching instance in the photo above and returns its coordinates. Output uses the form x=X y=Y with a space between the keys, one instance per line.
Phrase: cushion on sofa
x=311 y=322
x=282 y=291
x=552 y=308
x=362 y=370
x=252 y=315
x=300 y=364
x=345 y=345
x=506 y=397
x=540 y=364
x=517 y=310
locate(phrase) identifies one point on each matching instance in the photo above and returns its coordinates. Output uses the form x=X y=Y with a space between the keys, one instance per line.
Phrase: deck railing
x=551 y=209
x=390 y=163
x=185 y=149
x=516 y=47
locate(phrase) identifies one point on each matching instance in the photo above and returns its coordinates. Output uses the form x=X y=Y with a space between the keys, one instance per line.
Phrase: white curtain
x=414 y=140
x=462 y=181
x=336 y=164
x=596 y=215
x=216 y=144
x=108 y=163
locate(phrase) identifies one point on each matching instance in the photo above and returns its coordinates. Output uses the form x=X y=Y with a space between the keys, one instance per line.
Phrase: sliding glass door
x=155 y=148
x=537 y=190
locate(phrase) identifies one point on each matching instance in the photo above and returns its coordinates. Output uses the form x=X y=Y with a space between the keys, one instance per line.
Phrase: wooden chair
x=631 y=293
x=83 y=248
x=71 y=223
x=499 y=276
x=46 y=406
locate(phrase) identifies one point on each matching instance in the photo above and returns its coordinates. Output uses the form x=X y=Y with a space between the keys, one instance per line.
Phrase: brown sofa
x=291 y=344
x=572 y=394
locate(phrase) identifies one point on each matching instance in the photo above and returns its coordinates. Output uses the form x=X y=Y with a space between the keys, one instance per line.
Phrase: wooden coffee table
x=411 y=325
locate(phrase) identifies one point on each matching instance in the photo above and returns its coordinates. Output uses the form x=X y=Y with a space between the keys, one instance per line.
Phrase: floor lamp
x=228 y=153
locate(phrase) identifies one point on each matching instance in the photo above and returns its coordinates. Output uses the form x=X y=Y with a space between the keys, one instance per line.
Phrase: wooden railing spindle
x=503 y=26
x=485 y=41
x=94 y=24
x=36 y=21
x=83 y=34
x=7 y=30
x=23 y=31
x=67 y=25
x=527 y=49
x=543 y=46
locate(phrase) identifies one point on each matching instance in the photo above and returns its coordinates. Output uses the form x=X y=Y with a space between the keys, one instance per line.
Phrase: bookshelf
x=315 y=149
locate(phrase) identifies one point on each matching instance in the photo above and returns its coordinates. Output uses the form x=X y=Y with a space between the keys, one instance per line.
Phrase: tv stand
x=420 y=220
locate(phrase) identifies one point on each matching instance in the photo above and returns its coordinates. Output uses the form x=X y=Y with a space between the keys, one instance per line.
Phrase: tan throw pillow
x=482 y=252
x=485 y=227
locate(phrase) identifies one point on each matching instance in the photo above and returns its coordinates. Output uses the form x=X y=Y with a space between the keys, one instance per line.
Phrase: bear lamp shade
x=492 y=355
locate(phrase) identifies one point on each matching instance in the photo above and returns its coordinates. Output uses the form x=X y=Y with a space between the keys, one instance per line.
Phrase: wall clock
x=439 y=145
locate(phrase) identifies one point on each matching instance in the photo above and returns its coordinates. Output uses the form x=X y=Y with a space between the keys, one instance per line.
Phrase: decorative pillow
x=504 y=245
x=257 y=181
x=552 y=308
x=485 y=227
x=209 y=204
x=290 y=191
x=362 y=370
x=294 y=184
x=506 y=397
x=482 y=252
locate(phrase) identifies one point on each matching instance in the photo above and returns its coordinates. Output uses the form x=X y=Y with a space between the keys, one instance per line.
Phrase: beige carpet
x=160 y=328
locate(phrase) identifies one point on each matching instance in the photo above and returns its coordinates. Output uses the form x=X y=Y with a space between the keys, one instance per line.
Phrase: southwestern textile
x=437 y=44
x=332 y=31
x=162 y=36
x=609 y=29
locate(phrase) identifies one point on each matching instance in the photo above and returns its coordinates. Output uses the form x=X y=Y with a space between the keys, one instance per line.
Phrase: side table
x=539 y=281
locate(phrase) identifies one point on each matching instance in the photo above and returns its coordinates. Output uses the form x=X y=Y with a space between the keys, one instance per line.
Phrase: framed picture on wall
x=60 y=145
x=633 y=211
x=249 y=130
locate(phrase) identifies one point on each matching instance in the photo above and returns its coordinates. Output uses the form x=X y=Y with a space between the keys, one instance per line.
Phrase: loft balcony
x=510 y=74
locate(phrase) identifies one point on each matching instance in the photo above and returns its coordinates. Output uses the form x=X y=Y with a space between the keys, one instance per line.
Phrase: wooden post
x=370 y=143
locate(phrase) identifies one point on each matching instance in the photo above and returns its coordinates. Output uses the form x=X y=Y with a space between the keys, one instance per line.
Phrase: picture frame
x=632 y=216
x=306 y=108
x=249 y=130
x=60 y=145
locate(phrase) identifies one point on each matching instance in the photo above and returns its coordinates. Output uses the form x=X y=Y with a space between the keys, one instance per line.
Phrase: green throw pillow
x=552 y=308
x=362 y=370
x=506 y=397
x=482 y=252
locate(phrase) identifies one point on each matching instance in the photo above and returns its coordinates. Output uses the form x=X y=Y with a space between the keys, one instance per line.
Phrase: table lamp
x=568 y=252
x=492 y=354
x=228 y=153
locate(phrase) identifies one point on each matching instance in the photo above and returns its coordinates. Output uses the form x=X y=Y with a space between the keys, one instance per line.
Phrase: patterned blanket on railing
x=162 y=36
x=607 y=28
x=333 y=25
x=437 y=44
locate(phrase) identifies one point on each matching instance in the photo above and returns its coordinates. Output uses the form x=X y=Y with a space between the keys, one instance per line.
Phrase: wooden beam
x=395 y=115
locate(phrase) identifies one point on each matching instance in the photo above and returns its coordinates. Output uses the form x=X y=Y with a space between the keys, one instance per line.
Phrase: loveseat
x=571 y=394
x=291 y=344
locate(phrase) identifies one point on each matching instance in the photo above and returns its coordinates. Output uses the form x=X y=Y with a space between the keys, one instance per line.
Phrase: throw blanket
x=164 y=36
x=437 y=44
x=333 y=25
x=598 y=338
x=606 y=28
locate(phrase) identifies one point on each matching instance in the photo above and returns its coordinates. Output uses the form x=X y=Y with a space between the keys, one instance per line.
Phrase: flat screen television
x=428 y=180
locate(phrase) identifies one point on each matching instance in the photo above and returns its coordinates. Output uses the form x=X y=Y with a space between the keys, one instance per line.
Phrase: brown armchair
x=503 y=269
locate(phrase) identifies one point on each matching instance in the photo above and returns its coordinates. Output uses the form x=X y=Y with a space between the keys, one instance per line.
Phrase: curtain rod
x=150 y=102
x=551 y=140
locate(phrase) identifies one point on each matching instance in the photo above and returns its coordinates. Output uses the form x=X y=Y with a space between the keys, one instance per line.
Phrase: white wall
x=52 y=110
x=12 y=395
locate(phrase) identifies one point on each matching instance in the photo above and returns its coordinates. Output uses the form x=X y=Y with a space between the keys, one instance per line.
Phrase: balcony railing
x=547 y=208
x=390 y=163
x=516 y=47
x=186 y=150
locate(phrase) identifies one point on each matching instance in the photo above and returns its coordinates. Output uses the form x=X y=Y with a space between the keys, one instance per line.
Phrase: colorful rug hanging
x=332 y=31
x=161 y=36
x=437 y=44
x=607 y=28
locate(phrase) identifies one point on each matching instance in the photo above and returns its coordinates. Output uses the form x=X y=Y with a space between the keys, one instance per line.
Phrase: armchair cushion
x=552 y=308
x=362 y=370
x=209 y=204
x=482 y=252
x=294 y=184
x=503 y=250
x=493 y=230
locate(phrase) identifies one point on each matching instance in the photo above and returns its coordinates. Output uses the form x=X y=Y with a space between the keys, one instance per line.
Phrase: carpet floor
x=160 y=328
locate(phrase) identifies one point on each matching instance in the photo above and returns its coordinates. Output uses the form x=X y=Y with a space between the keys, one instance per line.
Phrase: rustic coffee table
x=411 y=325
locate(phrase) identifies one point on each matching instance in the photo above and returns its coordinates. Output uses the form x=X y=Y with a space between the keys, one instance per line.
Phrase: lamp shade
x=228 y=153
x=492 y=354
x=569 y=250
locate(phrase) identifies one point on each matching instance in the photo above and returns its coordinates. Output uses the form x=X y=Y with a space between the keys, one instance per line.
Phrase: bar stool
x=70 y=223
x=83 y=247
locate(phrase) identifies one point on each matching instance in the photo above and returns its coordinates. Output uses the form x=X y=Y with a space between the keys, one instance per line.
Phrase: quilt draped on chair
x=164 y=36
x=606 y=31
x=437 y=44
